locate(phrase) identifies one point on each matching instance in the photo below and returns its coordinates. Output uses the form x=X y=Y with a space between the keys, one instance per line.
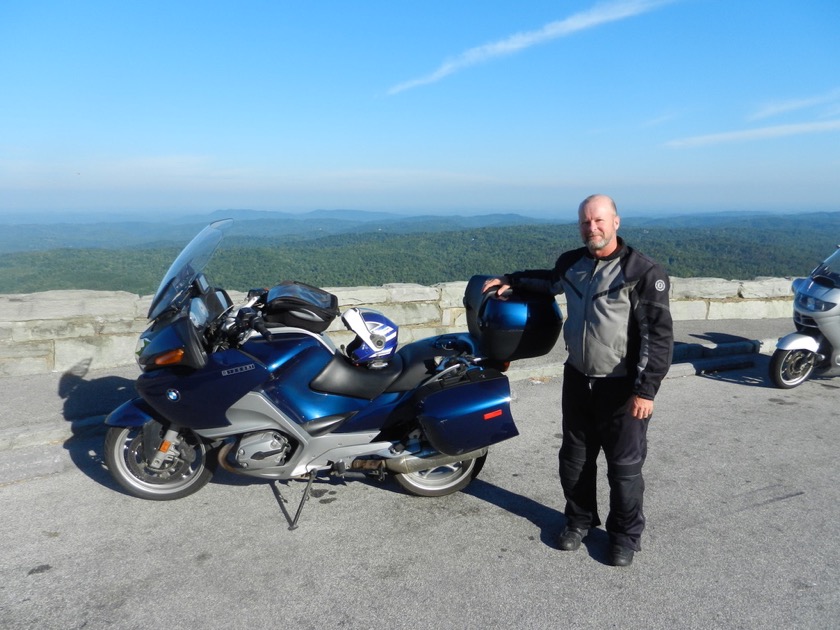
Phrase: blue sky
x=435 y=106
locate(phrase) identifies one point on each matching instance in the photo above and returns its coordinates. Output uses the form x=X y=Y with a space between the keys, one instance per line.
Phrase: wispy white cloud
x=661 y=119
x=599 y=14
x=777 y=108
x=761 y=133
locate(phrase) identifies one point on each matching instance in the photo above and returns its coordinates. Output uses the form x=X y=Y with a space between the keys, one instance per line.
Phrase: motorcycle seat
x=408 y=368
x=341 y=377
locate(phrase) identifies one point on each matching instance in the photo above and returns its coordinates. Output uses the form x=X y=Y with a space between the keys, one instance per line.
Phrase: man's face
x=598 y=224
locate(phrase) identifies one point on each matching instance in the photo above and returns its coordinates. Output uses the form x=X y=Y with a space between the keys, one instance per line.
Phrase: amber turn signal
x=172 y=357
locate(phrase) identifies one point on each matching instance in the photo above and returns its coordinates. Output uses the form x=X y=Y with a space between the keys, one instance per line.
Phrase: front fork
x=159 y=445
x=158 y=450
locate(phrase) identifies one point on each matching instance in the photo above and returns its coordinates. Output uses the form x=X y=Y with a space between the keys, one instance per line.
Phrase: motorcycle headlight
x=813 y=304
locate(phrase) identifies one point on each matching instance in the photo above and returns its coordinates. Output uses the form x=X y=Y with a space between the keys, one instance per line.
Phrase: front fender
x=799 y=341
x=133 y=413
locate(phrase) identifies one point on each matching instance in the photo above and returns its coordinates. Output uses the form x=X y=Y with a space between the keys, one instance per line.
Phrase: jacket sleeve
x=656 y=329
x=541 y=280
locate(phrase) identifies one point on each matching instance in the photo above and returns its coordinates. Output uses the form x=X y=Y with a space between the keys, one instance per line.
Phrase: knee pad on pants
x=624 y=471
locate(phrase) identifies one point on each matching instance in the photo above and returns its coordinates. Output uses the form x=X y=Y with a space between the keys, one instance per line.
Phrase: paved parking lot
x=743 y=522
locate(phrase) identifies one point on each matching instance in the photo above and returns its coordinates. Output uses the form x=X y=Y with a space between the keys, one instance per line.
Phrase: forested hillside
x=737 y=247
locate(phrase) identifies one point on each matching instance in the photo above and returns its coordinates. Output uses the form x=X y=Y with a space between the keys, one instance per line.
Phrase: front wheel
x=182 y=473
x=442 y=480
x=789 y=368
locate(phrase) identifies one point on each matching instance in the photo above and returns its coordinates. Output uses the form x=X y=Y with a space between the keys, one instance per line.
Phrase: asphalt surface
x=742 y=503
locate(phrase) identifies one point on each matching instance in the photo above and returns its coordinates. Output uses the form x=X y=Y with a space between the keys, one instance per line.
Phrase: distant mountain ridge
x=364 y=250
x=110 y=232
x=283 y=226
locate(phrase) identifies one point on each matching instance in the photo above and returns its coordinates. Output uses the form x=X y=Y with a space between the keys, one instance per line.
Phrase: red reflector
x=492 y=414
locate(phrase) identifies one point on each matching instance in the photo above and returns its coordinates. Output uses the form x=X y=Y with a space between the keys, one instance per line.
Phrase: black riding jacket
x=618 y=322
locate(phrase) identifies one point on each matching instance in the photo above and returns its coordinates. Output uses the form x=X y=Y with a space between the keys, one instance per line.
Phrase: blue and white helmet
x=376 y=336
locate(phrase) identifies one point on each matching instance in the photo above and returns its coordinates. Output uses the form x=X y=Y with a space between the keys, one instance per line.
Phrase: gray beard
x=594 y=245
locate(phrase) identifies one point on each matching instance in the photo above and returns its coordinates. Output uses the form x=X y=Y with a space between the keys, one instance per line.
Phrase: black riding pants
x=596 y=416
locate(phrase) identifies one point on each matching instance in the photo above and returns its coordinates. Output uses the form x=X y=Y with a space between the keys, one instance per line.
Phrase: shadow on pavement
x=756 y=376
x=549 y=520
x=759 y=375
x=85 y=399
x=718 y=338
x=86 y=403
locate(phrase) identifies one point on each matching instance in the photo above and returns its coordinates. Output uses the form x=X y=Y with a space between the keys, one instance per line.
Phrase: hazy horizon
x=143 y=216
x=669 y=106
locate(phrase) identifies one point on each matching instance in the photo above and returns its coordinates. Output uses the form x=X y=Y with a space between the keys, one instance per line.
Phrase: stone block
x=20 y=359
x=750 y=309
x=412 y=313
x=416 y=333
x=26 y=349
x=25 y=366
x=452 y=294
x=359 y=296
x=121 y=326
x=766 y=288
x=102 y=351
x=454 y=318
x=141 y=307
x=408 y=292
x=687 y=310
x=66 y=305
x=698 y=288
x=39 y=330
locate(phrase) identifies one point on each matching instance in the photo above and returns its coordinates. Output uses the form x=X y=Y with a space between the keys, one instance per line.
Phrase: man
x=619 y=337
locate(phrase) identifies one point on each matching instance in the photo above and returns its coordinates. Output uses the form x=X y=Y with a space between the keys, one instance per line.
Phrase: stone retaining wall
x=57 y=330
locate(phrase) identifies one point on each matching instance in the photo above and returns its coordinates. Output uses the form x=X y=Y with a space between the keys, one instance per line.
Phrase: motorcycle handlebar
x=252 y=319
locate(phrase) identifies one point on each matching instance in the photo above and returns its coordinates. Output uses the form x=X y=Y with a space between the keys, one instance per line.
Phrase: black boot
x=570 y=538
x=621 y=556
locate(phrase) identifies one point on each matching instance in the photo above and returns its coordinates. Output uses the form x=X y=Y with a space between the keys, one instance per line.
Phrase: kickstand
x=306 y=493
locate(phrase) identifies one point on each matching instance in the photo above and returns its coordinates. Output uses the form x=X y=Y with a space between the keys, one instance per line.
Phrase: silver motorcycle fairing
x=816 y=325
x=799 y=341
x=254 y=412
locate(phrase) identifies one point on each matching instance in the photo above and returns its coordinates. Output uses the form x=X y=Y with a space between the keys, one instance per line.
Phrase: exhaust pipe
x=411 y=463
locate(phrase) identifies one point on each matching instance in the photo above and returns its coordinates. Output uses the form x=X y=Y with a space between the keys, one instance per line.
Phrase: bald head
x=598 y=200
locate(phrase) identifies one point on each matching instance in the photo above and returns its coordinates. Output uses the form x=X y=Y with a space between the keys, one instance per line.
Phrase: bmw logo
x=173 y=395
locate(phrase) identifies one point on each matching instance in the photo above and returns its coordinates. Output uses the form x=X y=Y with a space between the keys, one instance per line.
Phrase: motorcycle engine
x=262 y=450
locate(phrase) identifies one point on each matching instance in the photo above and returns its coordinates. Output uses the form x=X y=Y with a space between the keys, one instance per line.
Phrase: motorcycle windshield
x=175 y=287
x=829 y=269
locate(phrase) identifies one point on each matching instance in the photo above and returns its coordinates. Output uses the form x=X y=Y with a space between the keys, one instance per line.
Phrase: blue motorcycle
x=260 y=390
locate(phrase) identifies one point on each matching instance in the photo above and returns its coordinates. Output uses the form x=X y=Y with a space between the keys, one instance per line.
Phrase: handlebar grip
x=252 y=318
x=258 y=324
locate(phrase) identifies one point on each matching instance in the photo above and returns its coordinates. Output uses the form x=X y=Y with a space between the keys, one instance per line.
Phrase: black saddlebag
x=523 y=326
x=468 y=413
x=300 y=305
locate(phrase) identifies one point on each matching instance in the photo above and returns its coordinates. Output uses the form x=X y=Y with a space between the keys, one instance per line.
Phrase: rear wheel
x=442 y=480
x=184 y=472
x=789 y=368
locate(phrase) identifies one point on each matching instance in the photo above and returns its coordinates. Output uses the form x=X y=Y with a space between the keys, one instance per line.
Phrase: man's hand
x=641 y=408
x=500 y=282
